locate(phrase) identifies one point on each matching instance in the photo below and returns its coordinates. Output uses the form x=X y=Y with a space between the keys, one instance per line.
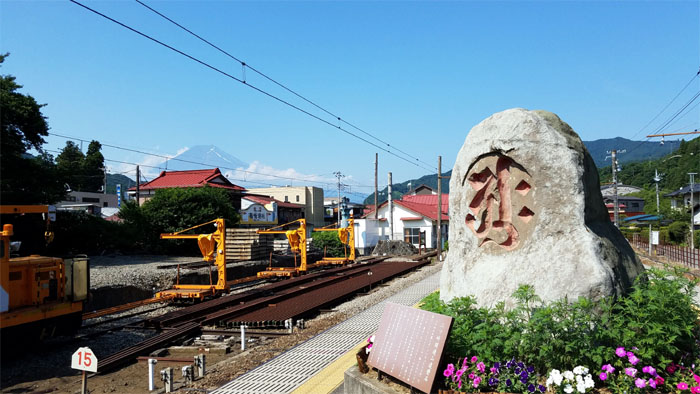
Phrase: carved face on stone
x=501 y=206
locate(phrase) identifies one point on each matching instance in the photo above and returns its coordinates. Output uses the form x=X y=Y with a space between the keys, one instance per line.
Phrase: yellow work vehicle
x=347 y=238
x=39 y=296
x=297 y=242
x=213 y=248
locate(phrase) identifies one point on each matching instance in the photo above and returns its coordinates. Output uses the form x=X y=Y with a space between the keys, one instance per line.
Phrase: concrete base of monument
x=356 y=382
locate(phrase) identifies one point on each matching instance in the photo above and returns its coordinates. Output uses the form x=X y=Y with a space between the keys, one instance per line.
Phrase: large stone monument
x=526 y=208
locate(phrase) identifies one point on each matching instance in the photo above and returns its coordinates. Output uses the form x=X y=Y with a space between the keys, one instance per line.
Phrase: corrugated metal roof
x=191 y=178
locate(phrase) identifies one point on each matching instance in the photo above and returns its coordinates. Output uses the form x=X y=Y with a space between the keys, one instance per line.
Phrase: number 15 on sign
x=84 y=359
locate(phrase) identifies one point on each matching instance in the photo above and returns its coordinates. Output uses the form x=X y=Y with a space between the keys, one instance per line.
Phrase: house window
x=286 y=199
x=104 y=204
x=297 y=198
x=90 y=199
x=411 y=235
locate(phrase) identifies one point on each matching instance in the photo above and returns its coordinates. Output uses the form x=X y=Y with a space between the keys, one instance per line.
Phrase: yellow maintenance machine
x=347 y=237
x=213 y=248
x=39 y=296
x=297 y=242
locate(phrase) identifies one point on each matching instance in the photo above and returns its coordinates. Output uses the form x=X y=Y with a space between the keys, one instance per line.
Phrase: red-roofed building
x=414 y=218
x=191 y=178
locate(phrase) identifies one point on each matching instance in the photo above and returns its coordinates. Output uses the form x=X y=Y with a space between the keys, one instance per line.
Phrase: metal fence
x=679 y=254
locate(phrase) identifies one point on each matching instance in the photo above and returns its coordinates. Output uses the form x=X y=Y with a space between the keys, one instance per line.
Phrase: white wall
x=369 y=231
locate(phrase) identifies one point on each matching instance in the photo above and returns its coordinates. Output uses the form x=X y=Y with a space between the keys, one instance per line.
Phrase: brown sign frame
x=409 y=343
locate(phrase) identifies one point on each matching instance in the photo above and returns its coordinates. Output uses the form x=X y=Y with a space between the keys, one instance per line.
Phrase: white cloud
x=259 y=175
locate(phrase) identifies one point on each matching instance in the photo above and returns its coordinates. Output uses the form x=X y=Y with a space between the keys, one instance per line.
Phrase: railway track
x=266 y=306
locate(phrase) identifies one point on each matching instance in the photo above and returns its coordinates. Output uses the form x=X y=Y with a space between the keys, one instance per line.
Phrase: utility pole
x=339 y=176
x=657 y=179
x=376 y=206
x=616 y=209
x=439 y=209
x=104 y=187
x=692 y=210
x=391 y=212
x=138 y=186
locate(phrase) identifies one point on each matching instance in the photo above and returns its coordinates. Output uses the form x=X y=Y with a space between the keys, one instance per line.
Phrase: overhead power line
x=667 y=105
x=247 y=65
x=270 y=95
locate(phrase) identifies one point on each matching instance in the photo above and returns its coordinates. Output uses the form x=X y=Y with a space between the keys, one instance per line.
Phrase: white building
x=680 y=199
x=414 y=217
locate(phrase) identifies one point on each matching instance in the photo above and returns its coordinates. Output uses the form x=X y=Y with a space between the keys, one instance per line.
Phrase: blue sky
x=417 y=74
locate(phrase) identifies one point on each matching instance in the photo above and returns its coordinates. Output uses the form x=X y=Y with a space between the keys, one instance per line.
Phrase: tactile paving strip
x=291 y=369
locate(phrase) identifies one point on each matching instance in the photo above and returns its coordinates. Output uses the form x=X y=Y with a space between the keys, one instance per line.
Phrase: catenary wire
x=246 y=65
x=270 y=95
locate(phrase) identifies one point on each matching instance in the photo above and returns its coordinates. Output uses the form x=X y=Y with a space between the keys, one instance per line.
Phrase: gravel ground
x=47 y=368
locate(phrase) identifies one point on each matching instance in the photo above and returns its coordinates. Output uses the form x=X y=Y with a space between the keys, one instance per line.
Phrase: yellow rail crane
x=347 y=238
x=297 y=243
x=39 y=296
x=213 y=248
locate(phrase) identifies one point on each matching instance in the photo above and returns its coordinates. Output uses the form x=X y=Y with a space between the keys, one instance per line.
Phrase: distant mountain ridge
x=635 y=150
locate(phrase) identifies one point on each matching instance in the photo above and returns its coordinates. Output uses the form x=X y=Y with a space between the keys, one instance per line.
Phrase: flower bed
x=646 y=341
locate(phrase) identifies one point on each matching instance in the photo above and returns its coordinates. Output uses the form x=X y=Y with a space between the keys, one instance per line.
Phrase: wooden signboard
x=408 y=344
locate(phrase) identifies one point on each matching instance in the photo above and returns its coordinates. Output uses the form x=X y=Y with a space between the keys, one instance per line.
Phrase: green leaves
x=657 y=317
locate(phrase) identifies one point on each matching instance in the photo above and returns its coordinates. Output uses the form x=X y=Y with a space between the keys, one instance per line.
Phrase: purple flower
x=531 y=369
x=652 y=383
x=497 y=365
x=508 y=383
x=641 y=383
x=603 y=376
x=608 y=368
x=620 y=352
x=630 y=372
x=633 y=359
x=493 y=382
x=541 y=388
x=531 y=388
x=474 y=359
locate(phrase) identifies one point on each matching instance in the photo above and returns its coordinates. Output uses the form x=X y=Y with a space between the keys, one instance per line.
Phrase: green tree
x=93 y=168
x=70 y=163
x=25 y=179
x=176 y=209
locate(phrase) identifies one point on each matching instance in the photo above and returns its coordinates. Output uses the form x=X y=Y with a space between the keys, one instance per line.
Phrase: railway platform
x=317 y=365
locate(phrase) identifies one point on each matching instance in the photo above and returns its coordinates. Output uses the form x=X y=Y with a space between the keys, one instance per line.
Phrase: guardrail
x=679 y=254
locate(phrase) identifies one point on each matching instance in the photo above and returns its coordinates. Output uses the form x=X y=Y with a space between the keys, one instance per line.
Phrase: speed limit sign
x=84 y=359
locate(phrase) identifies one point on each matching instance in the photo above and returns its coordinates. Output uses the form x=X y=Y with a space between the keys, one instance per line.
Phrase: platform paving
x=317 y=365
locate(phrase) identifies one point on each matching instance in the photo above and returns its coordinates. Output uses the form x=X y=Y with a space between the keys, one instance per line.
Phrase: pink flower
x=458 y=374
x=477 y=380
x=481 y=367
x=603 y=376
x=608 y=368
x=697 y=378
x=633 y=359
x=630 y=372
x=641 y=383
x=652 y=383
x=493 y=371
x=474 y=359
x=471 y=376
x=695 y=389
x=620 y=352
x=464 y=363
x=448 y=371
x=682 y=386
x=459 y=384
x=659 y=380
x=650 y=370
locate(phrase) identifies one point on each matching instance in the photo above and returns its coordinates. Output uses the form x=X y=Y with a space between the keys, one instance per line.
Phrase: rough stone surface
x=526 y=208
x=394 y=248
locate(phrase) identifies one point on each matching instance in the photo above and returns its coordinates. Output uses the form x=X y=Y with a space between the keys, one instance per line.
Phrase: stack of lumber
x=246 y=244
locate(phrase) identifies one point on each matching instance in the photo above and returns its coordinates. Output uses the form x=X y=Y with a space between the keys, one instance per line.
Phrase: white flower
x=568 y=389
x=558 y=379
x=554 y=377
x=581 y=387
x=588 y=381
x=580 y=370
x=568 y=375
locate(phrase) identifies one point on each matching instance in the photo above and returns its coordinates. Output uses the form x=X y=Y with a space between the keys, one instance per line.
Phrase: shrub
x=678 y=231
x=330 y=242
